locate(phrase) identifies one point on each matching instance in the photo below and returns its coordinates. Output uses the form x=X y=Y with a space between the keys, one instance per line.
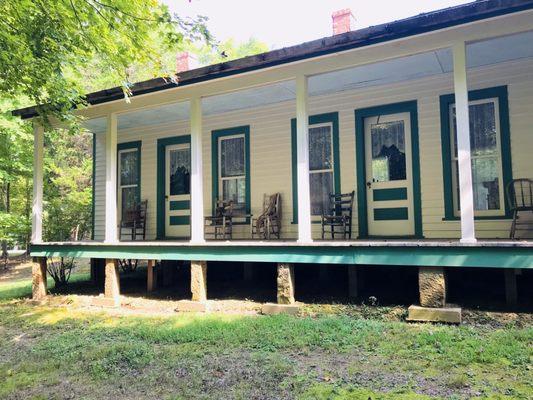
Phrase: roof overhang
x=417 y=25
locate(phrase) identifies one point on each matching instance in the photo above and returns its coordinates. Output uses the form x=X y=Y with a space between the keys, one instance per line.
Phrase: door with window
x=389 y=175
x=177 y=190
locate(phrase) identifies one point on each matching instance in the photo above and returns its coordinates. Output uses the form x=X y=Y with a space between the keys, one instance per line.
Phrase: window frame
x=332 y=168
x=500 y=97
x=221 y=178
x=331 y=119
x=122 y=148
x=227 y=133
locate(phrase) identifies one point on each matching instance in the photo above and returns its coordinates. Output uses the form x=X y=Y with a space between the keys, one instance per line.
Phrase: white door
x=177 y=190
x=389 y=175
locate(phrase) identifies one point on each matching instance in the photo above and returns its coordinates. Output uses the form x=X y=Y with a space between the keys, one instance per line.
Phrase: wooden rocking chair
x=520 y=197
x=339 y=219
x=268 y=223
x=220 y=225
x=134 y=221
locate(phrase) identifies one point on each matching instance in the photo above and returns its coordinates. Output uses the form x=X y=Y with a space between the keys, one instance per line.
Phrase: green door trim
x=161 y=160
x=360 y=115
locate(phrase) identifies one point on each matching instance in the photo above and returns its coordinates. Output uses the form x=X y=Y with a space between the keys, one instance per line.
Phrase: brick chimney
x=185 y=61
x=342 y=20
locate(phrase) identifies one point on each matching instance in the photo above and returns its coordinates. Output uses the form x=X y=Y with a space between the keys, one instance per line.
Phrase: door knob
x=166 y=197
x=368 y=184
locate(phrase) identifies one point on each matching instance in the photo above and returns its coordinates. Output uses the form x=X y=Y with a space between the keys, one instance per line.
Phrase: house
x=415 y=116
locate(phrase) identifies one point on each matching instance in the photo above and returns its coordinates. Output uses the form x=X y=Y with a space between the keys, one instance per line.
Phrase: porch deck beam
x=37 y=207
x=111 y=180
x=464 y=162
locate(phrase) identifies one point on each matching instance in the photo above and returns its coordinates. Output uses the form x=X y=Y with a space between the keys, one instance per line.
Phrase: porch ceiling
x=417 y=66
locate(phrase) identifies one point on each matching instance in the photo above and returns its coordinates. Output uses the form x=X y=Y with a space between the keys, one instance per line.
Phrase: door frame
x=410 y=107
x=161 y=168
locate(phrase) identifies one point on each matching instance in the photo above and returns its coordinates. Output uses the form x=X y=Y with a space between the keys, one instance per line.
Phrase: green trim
x=179 y=220
x=137 y=145
x=391 y=214
x=179 y=205
x=360 y=115
x=389 y=194
x=93 y=199
x=487 y=256
x=499 y=92
x=333 y=119
x=161 y=155
x=215 y=136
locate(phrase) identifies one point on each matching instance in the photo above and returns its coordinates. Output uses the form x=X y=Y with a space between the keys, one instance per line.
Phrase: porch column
x=302 y=145
x=199 y=281
x=466 y=196
x=197 y=184
x=37 y=207
x=111 y=180
x=285 y=284
x=151 y=276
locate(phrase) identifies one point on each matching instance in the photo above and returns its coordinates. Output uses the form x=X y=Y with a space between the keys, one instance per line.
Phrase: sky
x=282 y=23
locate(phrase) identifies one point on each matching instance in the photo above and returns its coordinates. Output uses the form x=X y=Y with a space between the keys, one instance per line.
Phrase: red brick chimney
x=185 y=61
x=342 y=20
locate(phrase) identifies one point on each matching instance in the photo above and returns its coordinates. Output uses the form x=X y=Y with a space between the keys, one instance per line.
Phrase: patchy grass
x=67 y=352
x=22 y=288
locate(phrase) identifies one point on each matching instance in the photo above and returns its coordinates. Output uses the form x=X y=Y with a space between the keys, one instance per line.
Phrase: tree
x=45 y=44
x=229 y=50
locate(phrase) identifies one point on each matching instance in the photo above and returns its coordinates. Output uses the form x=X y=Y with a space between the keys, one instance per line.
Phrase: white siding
x=270 y=145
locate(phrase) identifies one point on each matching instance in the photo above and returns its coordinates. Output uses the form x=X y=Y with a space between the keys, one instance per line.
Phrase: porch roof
x=422 y=23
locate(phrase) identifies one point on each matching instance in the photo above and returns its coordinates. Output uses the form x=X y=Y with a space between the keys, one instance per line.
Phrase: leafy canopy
x=45 y=45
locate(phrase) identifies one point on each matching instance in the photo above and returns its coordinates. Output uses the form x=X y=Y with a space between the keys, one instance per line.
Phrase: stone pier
x=38 y=273
x=285 y=284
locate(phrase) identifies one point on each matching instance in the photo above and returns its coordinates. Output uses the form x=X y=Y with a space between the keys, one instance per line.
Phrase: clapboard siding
x=270 y=146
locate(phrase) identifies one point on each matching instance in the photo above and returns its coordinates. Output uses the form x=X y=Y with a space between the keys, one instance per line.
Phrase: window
x=324 y=173
x=129 y=175
x=490 y=154
x=320 y=167
x=231 y=166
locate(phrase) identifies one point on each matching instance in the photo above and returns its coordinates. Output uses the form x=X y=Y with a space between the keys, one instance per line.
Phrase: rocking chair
x=220 y=224
x=339 y=219
x=520 y=196
x=269 y=221
x=134 y=221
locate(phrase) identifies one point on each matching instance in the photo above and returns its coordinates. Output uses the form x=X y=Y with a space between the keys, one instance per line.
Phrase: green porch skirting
x=409 y=255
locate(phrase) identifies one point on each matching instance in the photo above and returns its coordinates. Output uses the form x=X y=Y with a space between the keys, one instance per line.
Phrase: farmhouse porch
x=426 y=74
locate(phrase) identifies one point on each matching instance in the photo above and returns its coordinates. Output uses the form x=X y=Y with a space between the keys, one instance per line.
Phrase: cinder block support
x=285 y=284
x=151 y=276
x=511 y=292
x=248 y=272
x=352 y=282
x=432 y=286
x=112 y=282
x=38 y=272
x=199 y=280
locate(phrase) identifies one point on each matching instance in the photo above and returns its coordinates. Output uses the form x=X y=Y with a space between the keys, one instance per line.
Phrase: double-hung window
x=489 y=149
x=231 y=167
x=321 y=173
x=129 y=176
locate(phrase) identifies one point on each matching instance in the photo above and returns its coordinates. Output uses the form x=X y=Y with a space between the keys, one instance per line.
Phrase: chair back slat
x=520 y=194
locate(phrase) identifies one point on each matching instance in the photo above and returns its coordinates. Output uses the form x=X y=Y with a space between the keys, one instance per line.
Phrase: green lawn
x=67 y=352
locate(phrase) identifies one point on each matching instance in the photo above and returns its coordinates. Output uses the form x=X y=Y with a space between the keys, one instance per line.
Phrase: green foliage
x=45 y=44
x=229 y=50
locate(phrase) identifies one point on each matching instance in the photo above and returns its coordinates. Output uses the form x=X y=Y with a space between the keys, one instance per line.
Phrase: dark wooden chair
x=134 y=221
x=338 y=220
x=220 y=225
x=520 y=197
x=268 y=223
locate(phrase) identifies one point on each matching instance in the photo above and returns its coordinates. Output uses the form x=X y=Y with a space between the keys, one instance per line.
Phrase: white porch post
x=466 y=195
x=111 y=180
x=302 y=145
x=197 y=184
x=37 y=207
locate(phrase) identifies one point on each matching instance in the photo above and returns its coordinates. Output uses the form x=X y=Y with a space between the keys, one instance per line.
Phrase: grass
x=69 y=352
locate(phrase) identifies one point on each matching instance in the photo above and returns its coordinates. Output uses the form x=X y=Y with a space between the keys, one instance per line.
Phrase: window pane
x=180 y=175
x=388 y=151
x=129 y=173
x=320 y=154
x=129 y=199
x=485 y=184
x=235 y=189
x=482 y=119
x=232 y=157
x=321 y=185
